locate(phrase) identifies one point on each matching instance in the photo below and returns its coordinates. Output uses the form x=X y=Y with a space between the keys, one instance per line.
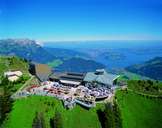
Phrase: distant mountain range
x=25 y=48
x=80 y=60
x=69 y=60
x=151 y=68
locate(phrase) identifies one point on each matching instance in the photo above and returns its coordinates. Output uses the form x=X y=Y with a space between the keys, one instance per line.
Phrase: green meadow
x=138 y=111
x=24 y=110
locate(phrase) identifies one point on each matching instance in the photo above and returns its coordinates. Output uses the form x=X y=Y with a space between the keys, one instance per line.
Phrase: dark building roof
x=42 y=71
x=100 y=76
x=71 y=76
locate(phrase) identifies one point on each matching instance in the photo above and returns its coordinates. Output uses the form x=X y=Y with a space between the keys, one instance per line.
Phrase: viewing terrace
x=69 y=95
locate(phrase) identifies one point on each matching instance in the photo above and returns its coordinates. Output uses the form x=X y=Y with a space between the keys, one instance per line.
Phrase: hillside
x=79 y=65
x=139 y=111
x=65 y=53
x=140 y=104
x=12 y=63
x=25 y=48
x=7 y=88
x=71 y=60
x=151 y=68
x=75 y=118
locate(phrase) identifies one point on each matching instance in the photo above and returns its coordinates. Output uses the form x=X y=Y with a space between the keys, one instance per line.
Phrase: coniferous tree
x=5 y=100
x=117 y=115
x=56 y=121
x=109 y=118
x=39 y=121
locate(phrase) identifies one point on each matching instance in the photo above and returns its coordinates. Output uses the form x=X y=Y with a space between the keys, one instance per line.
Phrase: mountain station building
x=100 y=78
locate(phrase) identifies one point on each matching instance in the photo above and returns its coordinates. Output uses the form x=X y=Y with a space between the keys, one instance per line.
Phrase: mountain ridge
x=151 y=68
x=25 y=48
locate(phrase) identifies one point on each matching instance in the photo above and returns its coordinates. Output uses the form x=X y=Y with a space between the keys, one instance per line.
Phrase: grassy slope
x=139 y=112
x=13 y=63
x=24 y=111
x=151 y=68
x=125 y=76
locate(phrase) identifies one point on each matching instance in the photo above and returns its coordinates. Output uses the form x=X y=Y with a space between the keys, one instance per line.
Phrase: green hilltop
x=13 y=63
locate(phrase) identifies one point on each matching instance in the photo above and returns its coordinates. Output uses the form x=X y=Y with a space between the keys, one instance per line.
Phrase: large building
x=101 y=77
x=98 y=78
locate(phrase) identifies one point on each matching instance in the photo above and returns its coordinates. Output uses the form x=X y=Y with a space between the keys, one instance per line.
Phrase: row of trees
x=111 y=116
x=7 y=88
x=55 y=122
x=5 y=100
x=39 y=121
x=145 y=86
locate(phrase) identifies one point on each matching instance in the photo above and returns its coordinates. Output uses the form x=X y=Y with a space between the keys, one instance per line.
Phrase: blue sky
x=81 y=19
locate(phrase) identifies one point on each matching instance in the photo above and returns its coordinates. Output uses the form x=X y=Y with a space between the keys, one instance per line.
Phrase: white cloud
x=39 y=42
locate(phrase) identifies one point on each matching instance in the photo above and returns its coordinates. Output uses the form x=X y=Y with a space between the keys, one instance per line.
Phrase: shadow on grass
x=101 y=117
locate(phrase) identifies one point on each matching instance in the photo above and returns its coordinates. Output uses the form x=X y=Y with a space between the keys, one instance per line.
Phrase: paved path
x=26 y=83
x=22 y=87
